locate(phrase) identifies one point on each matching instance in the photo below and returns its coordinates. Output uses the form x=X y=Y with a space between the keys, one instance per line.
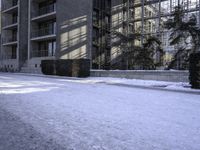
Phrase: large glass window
x=14 y=2
x=14 y=18
x=47 y=28
x=47 y=7
x=47 y=48
x=14 y=52
x=102 y=24
x=14 y=35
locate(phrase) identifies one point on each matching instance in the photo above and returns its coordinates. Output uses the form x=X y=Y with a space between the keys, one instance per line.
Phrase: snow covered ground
x=100 y=114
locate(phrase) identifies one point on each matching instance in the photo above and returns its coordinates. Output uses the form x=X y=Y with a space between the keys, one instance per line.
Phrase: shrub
x=48 y=67
x=68 y=67
x=64 y=67
x=81 y=68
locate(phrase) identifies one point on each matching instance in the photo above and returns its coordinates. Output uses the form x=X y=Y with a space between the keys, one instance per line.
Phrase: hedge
x=194 y=70
x=68 y=67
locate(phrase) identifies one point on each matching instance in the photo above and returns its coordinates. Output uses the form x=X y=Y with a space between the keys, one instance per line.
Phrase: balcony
x=43 y=34
x=10 y=41
x=10 y=24
x=45 y=13
x=10 y=7
x=42 y=53
x=10 y=56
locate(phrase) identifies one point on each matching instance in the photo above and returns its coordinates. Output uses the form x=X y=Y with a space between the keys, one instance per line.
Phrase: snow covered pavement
x=83 y=114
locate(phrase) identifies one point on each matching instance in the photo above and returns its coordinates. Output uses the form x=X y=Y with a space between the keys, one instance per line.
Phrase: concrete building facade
x=35 y=30
x=14 y=26
x=58 y=30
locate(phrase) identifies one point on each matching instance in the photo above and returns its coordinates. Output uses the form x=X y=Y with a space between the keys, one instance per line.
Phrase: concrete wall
x=22 y=36
x=74 y=23
x=9 y=65
x=35 y=63
x=72 y=18
x=172 y=76
x=23 y=32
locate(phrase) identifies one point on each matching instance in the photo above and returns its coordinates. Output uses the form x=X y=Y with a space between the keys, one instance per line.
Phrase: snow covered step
x=31 y=70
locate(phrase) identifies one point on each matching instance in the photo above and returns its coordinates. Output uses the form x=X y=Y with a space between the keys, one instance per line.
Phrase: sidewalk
x=182 y=87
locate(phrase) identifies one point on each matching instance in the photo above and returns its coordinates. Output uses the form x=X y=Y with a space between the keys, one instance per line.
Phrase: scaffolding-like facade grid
x=155 y=12
x=147 y=17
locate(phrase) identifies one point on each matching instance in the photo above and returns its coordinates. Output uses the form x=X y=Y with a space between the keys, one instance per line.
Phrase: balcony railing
x=43 y=32
x=9 y=23
x=14 y=2
x=46 y=10
x=9 y=40
x=10 y=56
x=9 y=5
x=42 y=53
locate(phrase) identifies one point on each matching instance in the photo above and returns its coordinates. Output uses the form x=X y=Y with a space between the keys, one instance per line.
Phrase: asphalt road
x=39 y=113
x=16 y=135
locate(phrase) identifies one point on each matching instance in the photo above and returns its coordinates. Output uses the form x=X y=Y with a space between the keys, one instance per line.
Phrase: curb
x=197 y=92
x=155 y=88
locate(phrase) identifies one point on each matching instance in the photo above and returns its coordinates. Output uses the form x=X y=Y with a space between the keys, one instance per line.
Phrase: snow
x=100 y=114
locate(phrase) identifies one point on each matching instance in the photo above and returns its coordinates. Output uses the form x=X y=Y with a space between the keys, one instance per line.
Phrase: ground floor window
x=47 y=48
x=14 y=52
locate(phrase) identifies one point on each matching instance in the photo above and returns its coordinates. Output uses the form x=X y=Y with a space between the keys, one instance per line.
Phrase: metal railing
x=9 y=40
x=11 y=56
x=46 y=10
x=42 y=53
x=9 y=22
x=43 y=32
x=11 y=4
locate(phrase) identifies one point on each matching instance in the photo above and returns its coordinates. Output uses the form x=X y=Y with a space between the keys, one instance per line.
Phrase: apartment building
x=14 y=25
x=59 y=30
x=34 y=30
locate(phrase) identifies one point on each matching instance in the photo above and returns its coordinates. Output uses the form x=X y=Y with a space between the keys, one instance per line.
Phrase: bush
x=71 y=68
x=194 y=70
x=48 y=67
x=64 y=67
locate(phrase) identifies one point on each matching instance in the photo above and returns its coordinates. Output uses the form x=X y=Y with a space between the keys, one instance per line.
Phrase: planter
x=194 y=70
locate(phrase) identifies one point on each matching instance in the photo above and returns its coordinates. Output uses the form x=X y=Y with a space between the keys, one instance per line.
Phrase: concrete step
x=31 y=70
x=25 y=64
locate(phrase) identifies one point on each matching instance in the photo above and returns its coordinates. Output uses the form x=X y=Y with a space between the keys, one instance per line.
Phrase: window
x=101 y=30
x=14 y=2
x=96 y=17
x=47 y=48
x=47 y=28
x=47 y=7
x=14 y=52
x=14 y=35
x=14 y=18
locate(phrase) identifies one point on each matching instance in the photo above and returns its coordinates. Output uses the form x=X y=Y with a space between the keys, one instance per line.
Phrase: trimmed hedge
x=64 y=68
x=81 y=68
x=68 y=67
x=194 y=70
x=48 y=67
